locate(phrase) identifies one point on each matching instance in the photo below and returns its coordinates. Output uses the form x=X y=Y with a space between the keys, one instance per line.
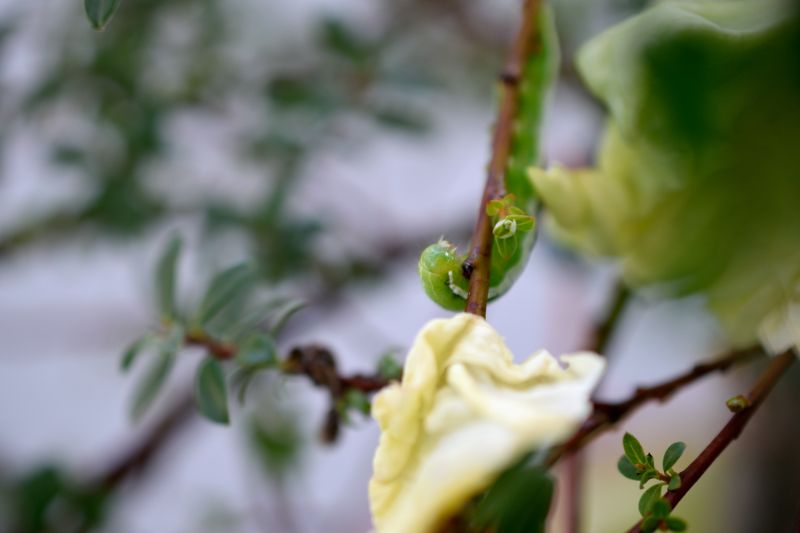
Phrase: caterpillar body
x=441 y=267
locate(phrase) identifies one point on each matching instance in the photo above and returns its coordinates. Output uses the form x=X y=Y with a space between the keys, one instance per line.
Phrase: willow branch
x=479 y=258
x=606 y=414
x=730 y=432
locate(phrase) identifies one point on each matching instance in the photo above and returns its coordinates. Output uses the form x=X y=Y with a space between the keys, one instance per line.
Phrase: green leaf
x=241 y=380
x=132 y=352
x=389 y=368
x=227 y=288
x=674 y=482
x=517 y=502
x=633 y=449
x=506 y=247
x=210 y=393
x=672 y=454
x=649 y=524
x=525 y=223
x=283 y=316
x=650 y=461
x=165 y=277
x=358 y=401
x=405 y=120
x=258 y=351
x=646 y=476
x=494 y=207
x=661 y=508
x=156 y=375
x=100 y=11
x=627 y=469
x=341 y=39
x=675 y=523
x=649 y=498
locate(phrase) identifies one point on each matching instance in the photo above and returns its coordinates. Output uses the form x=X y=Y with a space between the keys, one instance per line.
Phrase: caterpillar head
x=442 y=279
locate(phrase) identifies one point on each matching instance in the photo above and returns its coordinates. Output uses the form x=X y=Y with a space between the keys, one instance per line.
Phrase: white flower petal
x=463 y=413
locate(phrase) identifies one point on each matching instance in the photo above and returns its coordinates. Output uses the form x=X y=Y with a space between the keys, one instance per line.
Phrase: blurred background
x=328 y=142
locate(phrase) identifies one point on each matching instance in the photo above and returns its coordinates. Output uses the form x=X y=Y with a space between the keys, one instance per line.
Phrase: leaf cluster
x=639 y=466
x=232 y=321
x=509 y=223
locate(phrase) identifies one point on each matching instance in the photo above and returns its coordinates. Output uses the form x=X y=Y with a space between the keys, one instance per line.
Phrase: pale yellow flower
x=463 y=413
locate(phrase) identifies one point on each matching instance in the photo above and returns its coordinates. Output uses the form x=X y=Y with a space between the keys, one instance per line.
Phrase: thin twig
x=316 y=362
x=603 y=331
x=607 y=414
x=479 y=258
x=139 y=456
x=730 y=432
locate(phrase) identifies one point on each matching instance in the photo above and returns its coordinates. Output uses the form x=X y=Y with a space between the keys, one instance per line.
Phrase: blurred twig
x=607 y=414
x=479 y=258
x=730 y=432
x=139 y=456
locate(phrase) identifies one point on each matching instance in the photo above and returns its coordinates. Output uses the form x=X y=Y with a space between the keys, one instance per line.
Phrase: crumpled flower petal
x=698 y=182
x=463 y=413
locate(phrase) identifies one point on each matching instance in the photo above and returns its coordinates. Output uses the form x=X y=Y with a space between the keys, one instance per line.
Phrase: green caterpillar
x=441 y=267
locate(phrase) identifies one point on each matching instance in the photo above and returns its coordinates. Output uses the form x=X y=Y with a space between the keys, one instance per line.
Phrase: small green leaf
x=389 y=368
x=283 y=316
x=646 y=476
x=649 y=498
x=258 y=351
x=241 y=380
x=358 y=401
x=650 y=524
x=228 y=287
x=674 y=482
x=672 y=454
x=156 y=375
x=100 y=11
x=494 y=207
x=506 y=247
x=627 y=469
x=165 y=277
x=633 y=449
x=340 y=38
x=210 y=393
x=132 y=352
x=661 y=508
x=525 y=223
x=675 y=523
x=517 y=502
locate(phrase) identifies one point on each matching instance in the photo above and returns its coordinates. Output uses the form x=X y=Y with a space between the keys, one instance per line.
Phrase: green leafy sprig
x=639 y=466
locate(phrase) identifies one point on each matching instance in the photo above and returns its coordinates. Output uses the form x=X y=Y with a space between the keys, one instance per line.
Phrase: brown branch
x=316 y=362
x=607 y=414
x=730 y=432
x=603 y=331
x=479 y=258
x=218 y=349
x=139 y=456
